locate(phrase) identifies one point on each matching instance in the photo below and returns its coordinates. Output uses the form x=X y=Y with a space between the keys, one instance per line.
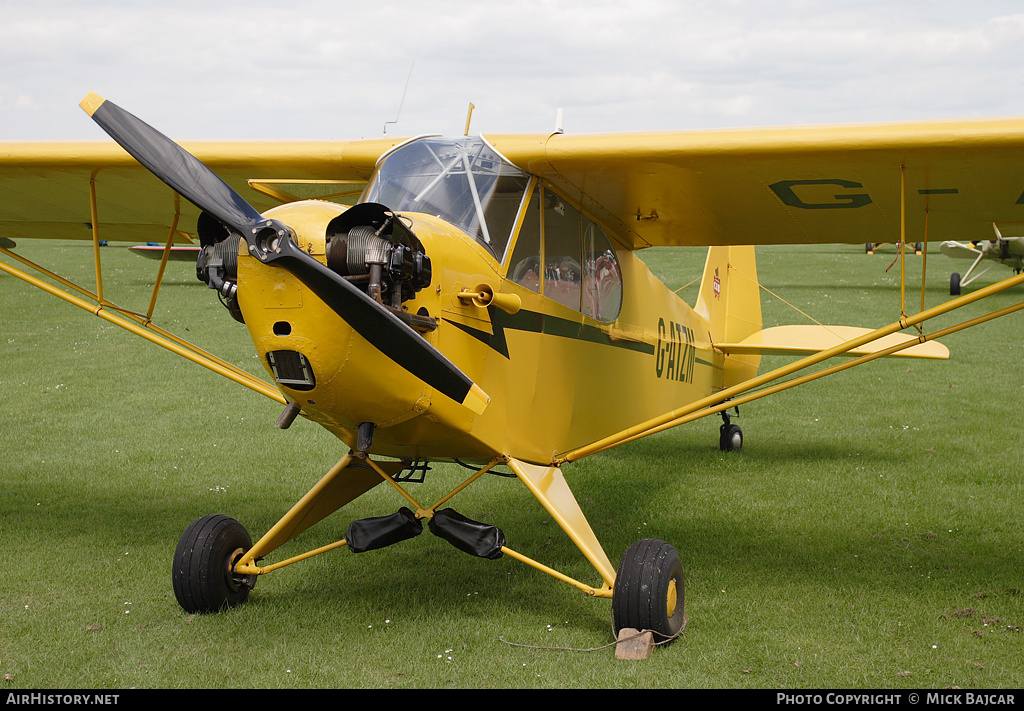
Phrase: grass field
x=868 y=535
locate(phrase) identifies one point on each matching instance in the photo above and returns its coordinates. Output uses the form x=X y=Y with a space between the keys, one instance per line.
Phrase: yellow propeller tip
x=91 y=103
x=477 y=400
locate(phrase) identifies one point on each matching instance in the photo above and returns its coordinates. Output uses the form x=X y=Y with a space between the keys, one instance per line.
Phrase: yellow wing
x=823 y=184
x=46 y=186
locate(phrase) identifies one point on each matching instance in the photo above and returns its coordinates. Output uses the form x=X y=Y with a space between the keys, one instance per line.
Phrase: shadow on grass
x=732 y=520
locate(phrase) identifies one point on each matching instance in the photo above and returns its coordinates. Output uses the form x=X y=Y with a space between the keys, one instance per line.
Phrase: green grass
x=868 y=535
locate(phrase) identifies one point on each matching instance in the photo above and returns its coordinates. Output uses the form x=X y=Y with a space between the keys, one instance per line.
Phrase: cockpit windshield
x=460 y=180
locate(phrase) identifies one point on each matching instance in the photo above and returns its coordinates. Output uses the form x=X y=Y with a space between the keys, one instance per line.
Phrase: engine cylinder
x=352 y=253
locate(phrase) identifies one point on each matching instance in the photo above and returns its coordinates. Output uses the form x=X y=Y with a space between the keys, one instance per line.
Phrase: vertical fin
x=730 y=299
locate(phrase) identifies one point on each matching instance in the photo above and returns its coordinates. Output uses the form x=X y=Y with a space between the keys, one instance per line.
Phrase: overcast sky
x=333 y=69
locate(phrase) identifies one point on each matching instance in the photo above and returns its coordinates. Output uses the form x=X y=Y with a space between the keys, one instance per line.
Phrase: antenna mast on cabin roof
x=402 y=102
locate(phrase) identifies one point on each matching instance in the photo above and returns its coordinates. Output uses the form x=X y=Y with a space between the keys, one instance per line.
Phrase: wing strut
x=136 y=324
x=730 y=397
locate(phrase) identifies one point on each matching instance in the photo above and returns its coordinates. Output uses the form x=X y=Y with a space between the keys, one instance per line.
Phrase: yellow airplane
x=479 y=299
x=1008 y=251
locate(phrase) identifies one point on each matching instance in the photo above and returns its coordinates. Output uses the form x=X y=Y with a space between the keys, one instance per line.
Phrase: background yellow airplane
x=871 y=247
x=480 y=299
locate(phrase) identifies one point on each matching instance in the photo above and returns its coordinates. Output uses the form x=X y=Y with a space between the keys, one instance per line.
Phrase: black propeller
x=271 y=242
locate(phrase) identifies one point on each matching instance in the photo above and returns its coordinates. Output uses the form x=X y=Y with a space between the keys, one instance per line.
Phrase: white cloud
x=316 y=69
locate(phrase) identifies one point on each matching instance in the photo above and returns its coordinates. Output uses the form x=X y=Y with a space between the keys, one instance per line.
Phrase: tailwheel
x=649 y=590
x=730 y=436
x=203 y=562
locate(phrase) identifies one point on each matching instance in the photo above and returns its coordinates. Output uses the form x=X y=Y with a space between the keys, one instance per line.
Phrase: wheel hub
x=237 y=582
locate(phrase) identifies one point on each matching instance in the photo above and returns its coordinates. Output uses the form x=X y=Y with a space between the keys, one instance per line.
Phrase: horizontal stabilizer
x=959 y=250
x=805 y=339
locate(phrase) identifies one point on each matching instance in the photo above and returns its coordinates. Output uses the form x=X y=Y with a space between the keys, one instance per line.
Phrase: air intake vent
x=291 y=369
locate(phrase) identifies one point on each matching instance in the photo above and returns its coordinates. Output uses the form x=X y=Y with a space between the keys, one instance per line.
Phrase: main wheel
x=649 y=590
x=206 y=553
x=730 y=438
x=954 y=284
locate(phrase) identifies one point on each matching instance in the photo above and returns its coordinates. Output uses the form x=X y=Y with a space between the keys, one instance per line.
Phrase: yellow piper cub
x=482 y=301
x=571 y=342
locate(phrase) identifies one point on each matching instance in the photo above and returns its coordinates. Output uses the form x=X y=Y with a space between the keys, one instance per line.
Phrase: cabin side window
x=563 y=276
x=524 y=267
x=602 y=280
x=504 y=198
x=577 y=266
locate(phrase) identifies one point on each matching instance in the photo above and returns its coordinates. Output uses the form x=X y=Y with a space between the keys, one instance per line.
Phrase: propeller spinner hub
x=268 y=240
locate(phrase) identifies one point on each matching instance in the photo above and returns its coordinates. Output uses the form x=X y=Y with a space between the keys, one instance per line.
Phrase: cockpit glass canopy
x=460 y=180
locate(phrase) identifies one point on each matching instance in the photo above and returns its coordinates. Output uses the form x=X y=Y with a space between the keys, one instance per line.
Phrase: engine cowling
x=367 y=244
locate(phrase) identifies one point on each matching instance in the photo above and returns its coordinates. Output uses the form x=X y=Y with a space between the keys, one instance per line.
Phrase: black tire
x=201 y=572
x=954 y=284
x=730 y=438
x=649 y=590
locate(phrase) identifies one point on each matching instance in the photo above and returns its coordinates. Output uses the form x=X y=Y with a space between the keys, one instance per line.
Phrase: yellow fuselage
x=557 y=379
